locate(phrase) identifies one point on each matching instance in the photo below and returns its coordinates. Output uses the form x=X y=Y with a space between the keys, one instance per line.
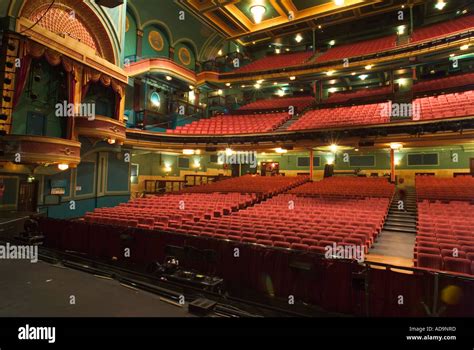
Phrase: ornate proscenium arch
x=73 y=18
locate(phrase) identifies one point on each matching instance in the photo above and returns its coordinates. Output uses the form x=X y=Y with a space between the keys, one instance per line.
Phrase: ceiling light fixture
x=298 y=38
x=258 y=10
x=440 y=5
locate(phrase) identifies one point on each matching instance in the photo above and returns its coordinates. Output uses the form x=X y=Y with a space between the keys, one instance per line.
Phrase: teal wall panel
x=118 y=173
x=10 y=190
x=85 y=178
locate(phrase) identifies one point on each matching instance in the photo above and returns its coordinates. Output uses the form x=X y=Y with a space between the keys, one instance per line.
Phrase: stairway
x=402 y=220
x=290 y=121
x=397 y=237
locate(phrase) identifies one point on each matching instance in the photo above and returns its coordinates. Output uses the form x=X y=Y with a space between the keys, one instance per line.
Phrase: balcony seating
x=276 y=62
x=341 y=97
x=233 y=124
x=358 y=49
x=447 y=106
x=443 y=29
x=341 y=116
x=300 y=102
x=444 y=83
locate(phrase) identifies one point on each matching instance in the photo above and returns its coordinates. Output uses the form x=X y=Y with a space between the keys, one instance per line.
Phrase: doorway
x=28 y=196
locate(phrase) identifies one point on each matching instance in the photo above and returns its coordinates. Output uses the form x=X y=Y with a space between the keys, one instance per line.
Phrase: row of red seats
x=362 y=48
x=459 y=104
x=358 y=49
x=161 y=211
x=234 y=124
x=444 y=83
x=341 y=116
x=445 y=238
x=300 y=103
x=276 y=62
x=443 y=29
x=340 y=97
x=433 y=188
x=347 y=187
x=268 y=185
x=284 y=221
x=425 y=108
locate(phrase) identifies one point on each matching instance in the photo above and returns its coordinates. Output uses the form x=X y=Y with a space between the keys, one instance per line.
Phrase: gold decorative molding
x=71 y=48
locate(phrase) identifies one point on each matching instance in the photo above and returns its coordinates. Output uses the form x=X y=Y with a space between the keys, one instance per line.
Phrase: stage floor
x=41 y=289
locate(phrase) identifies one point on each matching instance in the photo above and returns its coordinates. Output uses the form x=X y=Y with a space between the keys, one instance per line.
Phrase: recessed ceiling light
x=368 y=67
x=227 y=84
x=292 y=78
x=363 y=76
x=339 y=2
x=298 y=38
x=332 y=42
x=168 y=78
x=464 y=47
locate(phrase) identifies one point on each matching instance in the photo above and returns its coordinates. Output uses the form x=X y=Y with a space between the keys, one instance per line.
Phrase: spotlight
x=298 y=38
x=63 y=166
x=333 y=148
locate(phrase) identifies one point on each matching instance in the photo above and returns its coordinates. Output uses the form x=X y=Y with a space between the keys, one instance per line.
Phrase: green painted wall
x=130 y=47
x=147 y=50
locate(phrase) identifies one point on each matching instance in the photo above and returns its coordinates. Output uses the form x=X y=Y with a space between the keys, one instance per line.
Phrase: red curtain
x=21 y=78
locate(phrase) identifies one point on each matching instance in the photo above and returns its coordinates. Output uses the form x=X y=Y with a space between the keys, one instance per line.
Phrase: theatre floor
x=41 y=289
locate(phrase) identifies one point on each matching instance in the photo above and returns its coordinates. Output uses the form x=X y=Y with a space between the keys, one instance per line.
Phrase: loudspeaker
x=109 y=3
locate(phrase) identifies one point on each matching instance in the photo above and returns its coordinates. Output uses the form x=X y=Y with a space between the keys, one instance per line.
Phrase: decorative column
x=311 y=164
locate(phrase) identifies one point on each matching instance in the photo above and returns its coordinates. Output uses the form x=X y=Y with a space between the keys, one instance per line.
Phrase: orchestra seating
x=251 y=184
x=445 y=236
x=157 y=212
x=445 y=239
x=296 y=222
x=352 y=187
x=234 y=124
x=276 y=61
x=433 y=188
x=300 y=102
x=358 y=49
x=448 y=82
x=341 y=116
x=443 y=29
x=346 y=96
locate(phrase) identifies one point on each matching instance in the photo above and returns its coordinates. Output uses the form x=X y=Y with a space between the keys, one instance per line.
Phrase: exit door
x=28 y=196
